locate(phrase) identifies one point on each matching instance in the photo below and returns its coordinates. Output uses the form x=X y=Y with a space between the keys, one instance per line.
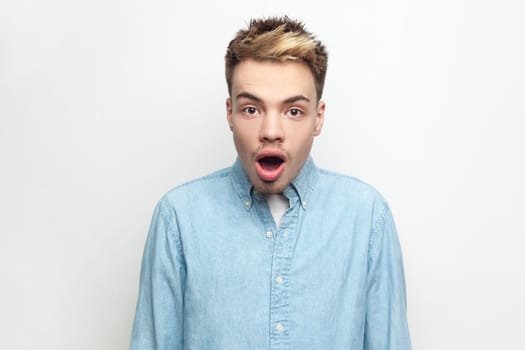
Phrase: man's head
x=275 y=72
x=278 y=39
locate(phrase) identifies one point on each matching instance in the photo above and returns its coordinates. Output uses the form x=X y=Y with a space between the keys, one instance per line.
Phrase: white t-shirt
x=278 y=204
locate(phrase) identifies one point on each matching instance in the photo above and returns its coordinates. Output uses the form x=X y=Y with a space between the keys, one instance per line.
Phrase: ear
x=229 y=112
x=319 y=118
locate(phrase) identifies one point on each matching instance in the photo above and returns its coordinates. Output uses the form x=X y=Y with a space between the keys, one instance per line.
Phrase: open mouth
x=269 y=166
x=270 y=163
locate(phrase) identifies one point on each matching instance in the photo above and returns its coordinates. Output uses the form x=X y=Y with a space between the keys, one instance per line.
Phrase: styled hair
x=278 y=39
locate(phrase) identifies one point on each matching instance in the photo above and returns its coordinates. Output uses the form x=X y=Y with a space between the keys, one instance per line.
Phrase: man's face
x=274 y=116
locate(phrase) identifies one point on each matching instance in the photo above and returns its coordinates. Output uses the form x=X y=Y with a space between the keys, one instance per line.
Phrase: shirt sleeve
x=386 y=326
x=158 y=321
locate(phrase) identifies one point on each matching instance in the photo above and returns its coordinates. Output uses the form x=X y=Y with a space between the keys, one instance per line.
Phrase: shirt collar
x=302 y=186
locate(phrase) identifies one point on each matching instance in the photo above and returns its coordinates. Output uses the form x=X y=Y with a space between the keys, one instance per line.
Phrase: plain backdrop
x=105 y=105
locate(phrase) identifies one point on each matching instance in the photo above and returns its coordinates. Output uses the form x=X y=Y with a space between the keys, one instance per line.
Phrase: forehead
x=273 y=80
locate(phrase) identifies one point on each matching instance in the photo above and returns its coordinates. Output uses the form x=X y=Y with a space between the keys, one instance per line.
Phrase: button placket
x=279 y=303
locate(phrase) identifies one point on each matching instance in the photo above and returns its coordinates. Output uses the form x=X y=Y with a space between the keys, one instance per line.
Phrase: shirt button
x=279 y=327
x=247 y=203
x=279 y=279
x=269 y=234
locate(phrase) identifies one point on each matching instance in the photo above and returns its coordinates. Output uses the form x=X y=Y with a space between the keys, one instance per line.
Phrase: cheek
x=245 y=139
x=246 y=129
x=300 y=141
x=300 y=132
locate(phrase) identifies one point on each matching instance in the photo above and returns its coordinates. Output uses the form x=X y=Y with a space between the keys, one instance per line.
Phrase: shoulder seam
x=377 y=226
x=169 y=220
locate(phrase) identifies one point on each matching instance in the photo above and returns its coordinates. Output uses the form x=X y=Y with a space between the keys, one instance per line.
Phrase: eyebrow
x=292 y=99
x=248 y=96
x=297 y=98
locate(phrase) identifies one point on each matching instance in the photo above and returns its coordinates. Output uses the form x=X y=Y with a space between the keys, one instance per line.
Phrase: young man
x=272 y=253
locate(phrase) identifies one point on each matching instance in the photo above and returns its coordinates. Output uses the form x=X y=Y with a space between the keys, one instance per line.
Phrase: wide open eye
x=251 y=110
x=295 y=112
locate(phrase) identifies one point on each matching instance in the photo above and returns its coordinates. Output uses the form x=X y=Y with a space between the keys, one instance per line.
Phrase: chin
x=273 y=187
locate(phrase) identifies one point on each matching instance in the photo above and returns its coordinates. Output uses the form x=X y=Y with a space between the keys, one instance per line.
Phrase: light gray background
x=105 y=105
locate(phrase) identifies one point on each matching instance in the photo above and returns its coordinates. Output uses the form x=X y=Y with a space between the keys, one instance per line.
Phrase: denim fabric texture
x=218 y=274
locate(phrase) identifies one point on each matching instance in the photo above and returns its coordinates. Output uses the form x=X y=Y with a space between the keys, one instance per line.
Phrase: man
x=272 y=253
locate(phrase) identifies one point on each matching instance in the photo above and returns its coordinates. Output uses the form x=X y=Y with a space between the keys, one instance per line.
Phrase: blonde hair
x=278 y=39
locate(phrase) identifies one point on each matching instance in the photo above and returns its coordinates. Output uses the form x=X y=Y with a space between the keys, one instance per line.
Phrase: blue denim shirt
x=218 y=274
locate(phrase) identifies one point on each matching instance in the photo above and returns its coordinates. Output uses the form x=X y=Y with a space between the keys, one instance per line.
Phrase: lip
x=270 y=174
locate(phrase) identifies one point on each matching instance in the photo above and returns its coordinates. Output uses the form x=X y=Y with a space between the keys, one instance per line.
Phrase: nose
x=271 y=128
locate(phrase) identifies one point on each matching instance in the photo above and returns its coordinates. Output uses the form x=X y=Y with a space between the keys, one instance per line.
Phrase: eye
x=250 y=110
x=294 y=112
